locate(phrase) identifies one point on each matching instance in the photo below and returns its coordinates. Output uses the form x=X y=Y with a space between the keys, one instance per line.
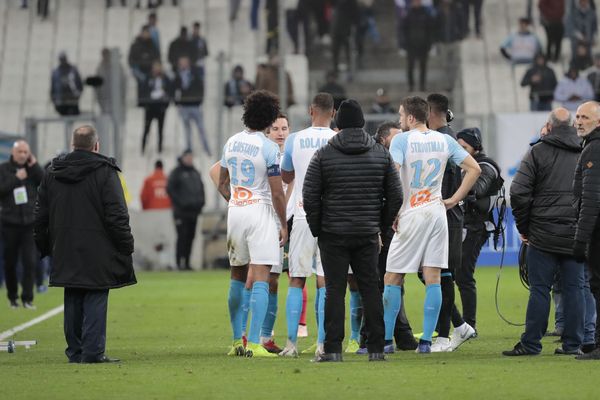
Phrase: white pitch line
x=37 y=320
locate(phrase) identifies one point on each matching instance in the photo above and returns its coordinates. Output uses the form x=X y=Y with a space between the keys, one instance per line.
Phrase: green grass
x=172 y=332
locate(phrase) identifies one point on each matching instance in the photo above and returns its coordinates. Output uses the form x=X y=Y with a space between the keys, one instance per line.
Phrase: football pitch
x=172 y=331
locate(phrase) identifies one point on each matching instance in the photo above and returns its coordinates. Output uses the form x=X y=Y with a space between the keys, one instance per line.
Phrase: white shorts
x=304 y=251
x=319 y=267
x=421 y=240
x=252 y=235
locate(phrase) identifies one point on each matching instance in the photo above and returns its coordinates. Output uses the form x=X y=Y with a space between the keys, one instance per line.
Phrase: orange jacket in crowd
x=154 y=193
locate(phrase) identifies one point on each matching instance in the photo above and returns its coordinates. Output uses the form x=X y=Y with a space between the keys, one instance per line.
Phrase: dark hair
x=152 y=15
x=261 y=109
x=383 y=130
x=196 y=24
x=438 y=103
x=280 y=115
x=158 y=164
x=323 y=101
x=183 y=31
x=84 y=138
x=417 y=107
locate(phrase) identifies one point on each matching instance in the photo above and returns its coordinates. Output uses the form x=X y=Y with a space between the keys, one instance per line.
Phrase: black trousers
x=153 y=112
x=360 y=252
x=464 y=275
x=85 y=323
x=186 y=232
x=413 y=57
x=554 y=35
x=448 y=312
x=340 y=42
x=18 y=241
x=594 y=269
x=477 y=5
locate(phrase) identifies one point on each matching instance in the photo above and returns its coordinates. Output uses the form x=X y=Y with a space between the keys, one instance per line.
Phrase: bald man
x=586 y=189
x=19 y=178
x=542 y=198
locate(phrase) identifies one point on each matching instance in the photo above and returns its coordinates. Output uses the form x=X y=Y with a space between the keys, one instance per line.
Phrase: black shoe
x=376 y=357
x=74 y=360
x=593 y=355
x=328 y=357
x=588 y=348
x=407 y=345
x=562 y=352
x=518 y=350
x=99 y=360
x=14 y=304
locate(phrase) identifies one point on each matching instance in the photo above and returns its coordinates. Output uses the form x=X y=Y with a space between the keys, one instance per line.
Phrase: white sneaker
x=289 y=350
x=461 y=335
x=320 y=350
x=441 y=345
x=302 y=331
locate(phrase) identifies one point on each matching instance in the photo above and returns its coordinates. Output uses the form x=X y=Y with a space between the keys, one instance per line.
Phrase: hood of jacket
x=564 y=137
x=75 y=166
x=352 y=141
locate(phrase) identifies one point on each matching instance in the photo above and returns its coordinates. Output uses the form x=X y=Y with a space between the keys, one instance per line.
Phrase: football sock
x=293 y=309
x=431 y=309
x=321 y=316
x=234 y=301
x=245 y=307
x=355 y=314
x=258 y=305
x=392 y=299
x=304 y=302
x=267 y=327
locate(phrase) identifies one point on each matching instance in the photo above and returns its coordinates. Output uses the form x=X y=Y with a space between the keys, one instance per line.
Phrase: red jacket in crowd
x=154 y=193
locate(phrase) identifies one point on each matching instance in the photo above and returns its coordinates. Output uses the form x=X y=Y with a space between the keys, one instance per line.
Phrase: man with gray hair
x=81 y=220
x=542 y=200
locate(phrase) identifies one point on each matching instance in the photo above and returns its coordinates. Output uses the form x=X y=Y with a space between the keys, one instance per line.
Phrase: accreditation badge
x=20 y=195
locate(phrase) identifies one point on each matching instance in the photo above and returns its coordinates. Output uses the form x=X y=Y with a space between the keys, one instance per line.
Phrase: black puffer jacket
x=82 y=221
x=586 y=189
x=541 y=193
x=186 y=190
x=10 y=212
x=450 y=184
x=346 y=183
x=477 y=203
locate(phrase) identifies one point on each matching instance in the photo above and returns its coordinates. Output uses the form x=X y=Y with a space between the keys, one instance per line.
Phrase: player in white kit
x=250 y=163
x=299 y=150
x=421 y=238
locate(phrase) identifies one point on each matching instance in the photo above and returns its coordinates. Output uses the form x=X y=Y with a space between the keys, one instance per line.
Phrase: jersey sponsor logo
x=420 y=198
x=242 y=197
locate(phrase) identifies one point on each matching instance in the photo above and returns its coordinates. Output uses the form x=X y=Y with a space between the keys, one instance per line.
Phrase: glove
x=579 y=251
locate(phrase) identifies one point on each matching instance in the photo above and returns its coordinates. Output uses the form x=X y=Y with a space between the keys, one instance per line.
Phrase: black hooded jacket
x=351 y=186
x=82 y=221
x=541 y=193
x=186 y=190
x=586 y=190
x=10 y=212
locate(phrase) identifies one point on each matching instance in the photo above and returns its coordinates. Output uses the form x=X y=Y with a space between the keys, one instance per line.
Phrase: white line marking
x=37 y=320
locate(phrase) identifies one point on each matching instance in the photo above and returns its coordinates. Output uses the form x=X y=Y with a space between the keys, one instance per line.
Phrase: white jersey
x=422 y=157
x=251 y=159
x=298 y=151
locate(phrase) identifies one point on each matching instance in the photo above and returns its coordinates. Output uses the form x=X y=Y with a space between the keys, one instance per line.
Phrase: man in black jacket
x=419 y=33
x=186 y=190
x=344 y=190
x=586 y=189
x=542 y=200
x=19 y=178
x=81 y=220
x=542 y=81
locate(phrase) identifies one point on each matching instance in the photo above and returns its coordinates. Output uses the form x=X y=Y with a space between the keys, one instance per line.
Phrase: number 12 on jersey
x=418 y=182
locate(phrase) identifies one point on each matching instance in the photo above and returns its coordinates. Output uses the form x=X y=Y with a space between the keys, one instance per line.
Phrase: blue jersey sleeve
x=223 y=160
x=271 y=155
x=456 y=154
x=286 y=162
x=398 y=147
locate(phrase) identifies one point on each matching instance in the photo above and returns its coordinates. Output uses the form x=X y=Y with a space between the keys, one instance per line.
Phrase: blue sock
x=267 y=327
x=431 y=310
x=293 y=309
x=321 y=316
x=245 y=307
x=234 y=302
x=258 y=305
x=355 y=314
x=392 y=299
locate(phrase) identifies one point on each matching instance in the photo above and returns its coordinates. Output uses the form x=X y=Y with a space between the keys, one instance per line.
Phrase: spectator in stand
x=272 y=17
x=104 y=91
x=345 y=17
x=573 y=89
x=542 y=82
x=476 y=5
x=42 y=8
x=237 y=88
x=154 y=192
x=337 y=91
x=450 y=25
x=156 y=97
x=66 y=87
x=182 y=46
x=419 y=28
x=189 y=94
x=582 y=59
x=521 y=47
x=581 y=24
x=552 y=13
x=267 y=78
x=142 y=54
x=400 y=16
x=594 y=77
x=200 y=46
x=154 y=33
x=186 y=190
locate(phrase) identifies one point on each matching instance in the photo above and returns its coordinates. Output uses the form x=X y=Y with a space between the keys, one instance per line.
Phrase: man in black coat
x=419 y=34
x=81 y=220
x=19 y=178
x=344 y=190
x=186 y=190
x=586 y=189
x=542 y=200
